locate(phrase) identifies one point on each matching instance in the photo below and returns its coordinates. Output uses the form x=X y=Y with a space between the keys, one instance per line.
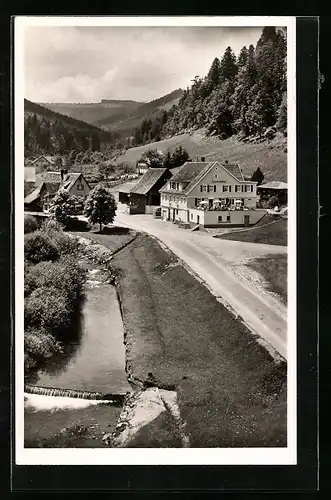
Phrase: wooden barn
x=145 y=194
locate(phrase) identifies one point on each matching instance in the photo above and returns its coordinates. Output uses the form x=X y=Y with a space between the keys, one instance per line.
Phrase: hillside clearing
x=271 y=156
x=271 y=230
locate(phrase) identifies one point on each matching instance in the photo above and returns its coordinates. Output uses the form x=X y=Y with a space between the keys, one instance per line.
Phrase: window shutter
x=230 y=188
x=201 y=188
x=208 y=188
x=196 y=201
x=214 y=188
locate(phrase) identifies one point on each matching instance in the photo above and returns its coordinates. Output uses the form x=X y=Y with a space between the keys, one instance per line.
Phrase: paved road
x=209 y=258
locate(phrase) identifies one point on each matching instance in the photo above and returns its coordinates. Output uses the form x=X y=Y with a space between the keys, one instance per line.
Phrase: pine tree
x=228 y=68
x=243 y=57
x=214 y=73
x=257 y=176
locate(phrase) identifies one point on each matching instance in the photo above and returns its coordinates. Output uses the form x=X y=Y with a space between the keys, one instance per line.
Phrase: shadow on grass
x=118 y=230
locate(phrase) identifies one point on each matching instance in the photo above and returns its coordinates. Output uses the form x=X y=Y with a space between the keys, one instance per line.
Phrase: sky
x=87 y=64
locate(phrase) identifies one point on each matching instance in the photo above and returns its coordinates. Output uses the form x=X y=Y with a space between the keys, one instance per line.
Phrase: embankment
x=231 y=392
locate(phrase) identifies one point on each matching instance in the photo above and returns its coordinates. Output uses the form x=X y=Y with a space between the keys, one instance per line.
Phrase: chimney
x=62 y=174
x=202 y=158
x=226 y=162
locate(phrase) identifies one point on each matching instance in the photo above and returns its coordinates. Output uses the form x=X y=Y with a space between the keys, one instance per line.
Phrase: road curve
x=209 y=258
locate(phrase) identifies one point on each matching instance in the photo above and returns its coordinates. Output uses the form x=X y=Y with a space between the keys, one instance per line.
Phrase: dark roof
x=54 y=177
x=190 y=172
x=147 y=181
x=50 y=159
x=69 y=180
x=34 y=195
x=273 y=185
x=234 y=169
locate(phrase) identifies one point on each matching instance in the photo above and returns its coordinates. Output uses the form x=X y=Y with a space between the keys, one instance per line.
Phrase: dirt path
x=211 y=259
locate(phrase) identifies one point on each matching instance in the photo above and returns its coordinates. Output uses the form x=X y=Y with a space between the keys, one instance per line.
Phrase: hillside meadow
x=270 y=156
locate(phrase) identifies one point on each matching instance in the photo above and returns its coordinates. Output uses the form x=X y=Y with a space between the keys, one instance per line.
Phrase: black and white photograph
x=155 y=240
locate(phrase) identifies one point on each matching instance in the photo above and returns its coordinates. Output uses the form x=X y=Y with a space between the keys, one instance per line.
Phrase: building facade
x=210 y=194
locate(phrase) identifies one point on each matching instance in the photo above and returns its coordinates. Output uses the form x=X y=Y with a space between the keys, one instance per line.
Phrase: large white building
x=210 y=194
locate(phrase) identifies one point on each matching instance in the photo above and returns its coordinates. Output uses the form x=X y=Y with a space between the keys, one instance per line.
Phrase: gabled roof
x=34 y=195
x=147 y=181
x=191 y=172
x=69 y=180
x=47 y=158
x=234 y=169
x=273 y=185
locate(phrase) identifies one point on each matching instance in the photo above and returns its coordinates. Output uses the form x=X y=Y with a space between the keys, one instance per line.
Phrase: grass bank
x=231 y=392
x=271 y=230
x=273 y=268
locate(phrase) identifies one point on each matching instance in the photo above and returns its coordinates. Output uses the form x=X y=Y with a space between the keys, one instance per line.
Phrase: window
x=228 y=218
x=203 y=189
x=219 y=218
x=80 y=187
x=211 y=188
x=177 y=186
x=172 y=185
x=225 y=189
x=238 y=188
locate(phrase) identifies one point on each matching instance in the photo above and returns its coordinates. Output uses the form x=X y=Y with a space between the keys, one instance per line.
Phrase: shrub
x=65 y=275
x=65 y=243
x=30 y=224
x=39 y=247
x=47 y=308
x=39 y=345
x=273 y=202
x=75 y=224
x=51 y=225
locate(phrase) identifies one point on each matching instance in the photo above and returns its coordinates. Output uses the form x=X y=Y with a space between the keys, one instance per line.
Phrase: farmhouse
x=274 y=188
x=145 y=195
x=52 y=182
x=210 y=194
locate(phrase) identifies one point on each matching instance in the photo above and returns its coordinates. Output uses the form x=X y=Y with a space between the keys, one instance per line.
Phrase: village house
x=144 y=195
x=49 y=183
x=210 y=194
x=141 y=167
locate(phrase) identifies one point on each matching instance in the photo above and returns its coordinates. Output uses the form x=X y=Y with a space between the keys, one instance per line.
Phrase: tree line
x=244 y=95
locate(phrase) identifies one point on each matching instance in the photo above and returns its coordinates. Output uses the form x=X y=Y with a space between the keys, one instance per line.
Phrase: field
x=271 y=156
x=231 y=391
x=273 y=268
x=271 y=230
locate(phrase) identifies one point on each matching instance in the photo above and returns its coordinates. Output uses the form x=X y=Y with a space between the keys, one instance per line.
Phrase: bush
x=30 y=224
x=65 y=275
x=47 y=308
x=65 y=243
x=39 y=346
x=75 y=224
x=51 y=225
x=39 y=247
x=273 y=202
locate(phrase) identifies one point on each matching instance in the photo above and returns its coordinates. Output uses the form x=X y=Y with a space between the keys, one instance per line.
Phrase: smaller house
x=141 y=167
x=144 y=195
x=43 y=160
x=273 y=188
x=51 y=183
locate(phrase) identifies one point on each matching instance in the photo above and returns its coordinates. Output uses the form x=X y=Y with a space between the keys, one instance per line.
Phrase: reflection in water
x=94 y=359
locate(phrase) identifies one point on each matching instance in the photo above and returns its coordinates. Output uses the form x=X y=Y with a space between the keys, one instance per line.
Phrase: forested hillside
x=244 y=95
x=46 y=131
x=94 y=112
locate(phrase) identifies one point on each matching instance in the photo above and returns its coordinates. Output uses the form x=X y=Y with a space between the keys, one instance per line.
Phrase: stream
x=94 y=362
